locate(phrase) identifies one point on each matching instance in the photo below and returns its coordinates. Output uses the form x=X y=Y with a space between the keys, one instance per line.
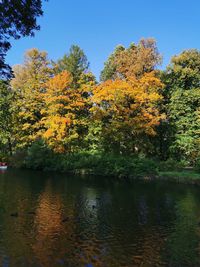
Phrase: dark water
x=59 y=220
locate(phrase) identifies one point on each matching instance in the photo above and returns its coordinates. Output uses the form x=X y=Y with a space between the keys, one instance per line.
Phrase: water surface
x=49 y=219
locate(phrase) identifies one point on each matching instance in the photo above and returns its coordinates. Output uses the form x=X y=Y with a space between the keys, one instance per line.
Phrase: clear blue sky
x=97 y=26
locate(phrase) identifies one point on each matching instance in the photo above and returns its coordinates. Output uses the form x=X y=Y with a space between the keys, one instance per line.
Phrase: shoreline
x=181 y=177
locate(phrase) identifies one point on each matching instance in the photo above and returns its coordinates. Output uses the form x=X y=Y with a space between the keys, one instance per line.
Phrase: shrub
x=18 y=159
x=171 y=165
x=39 y=156
x=197 y=165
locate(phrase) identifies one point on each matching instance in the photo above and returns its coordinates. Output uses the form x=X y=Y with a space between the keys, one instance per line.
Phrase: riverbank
x=110 y=165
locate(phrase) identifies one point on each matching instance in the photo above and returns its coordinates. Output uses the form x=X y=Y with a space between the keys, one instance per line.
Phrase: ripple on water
x=69 y=221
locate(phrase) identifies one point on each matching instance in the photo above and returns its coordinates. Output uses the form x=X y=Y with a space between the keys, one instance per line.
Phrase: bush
x=171 y=165
x=18 y=159
x=39 y=156
x=197 y=165
x=4 y=156
x=112 y=165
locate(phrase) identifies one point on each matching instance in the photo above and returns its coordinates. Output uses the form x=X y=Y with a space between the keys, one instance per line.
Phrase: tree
x=110 y=66
x=17 y=19
x=182 y=79
x=62 y=113
x=6 y=118
x=128 y=111
x=136 y=60
x=75 y=63
x=28 y=85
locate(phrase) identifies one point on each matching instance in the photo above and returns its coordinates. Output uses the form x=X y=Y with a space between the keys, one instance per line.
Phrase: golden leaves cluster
x=131 y=102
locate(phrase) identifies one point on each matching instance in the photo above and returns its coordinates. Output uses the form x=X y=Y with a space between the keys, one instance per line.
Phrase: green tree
x=75 y=62
x=17 y=19
x=182 y=94
x=6 y=118
x=110 y=67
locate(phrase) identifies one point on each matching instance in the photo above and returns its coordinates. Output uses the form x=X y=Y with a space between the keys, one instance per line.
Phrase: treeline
x=59 y=110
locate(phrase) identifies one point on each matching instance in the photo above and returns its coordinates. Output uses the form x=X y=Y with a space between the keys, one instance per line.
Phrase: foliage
x=6 y=118
x=110 y=67
x=184 y=70
x=40 y=157
x=18 y=18
x=127 y=110
x=136 y=60
x=75 y=63
x=62 y=113
x=172 y=165
x=197 y=165
x=28 y=85
x=18 y=158
x=183 y=103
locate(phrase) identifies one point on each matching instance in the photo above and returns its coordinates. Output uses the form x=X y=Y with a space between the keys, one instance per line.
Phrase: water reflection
x=183 y=242
x=95 y=222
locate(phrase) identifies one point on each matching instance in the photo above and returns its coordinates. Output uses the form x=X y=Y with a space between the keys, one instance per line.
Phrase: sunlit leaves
x=28 y=85
x=62 y=112
x=135 y=60
x=128 y=107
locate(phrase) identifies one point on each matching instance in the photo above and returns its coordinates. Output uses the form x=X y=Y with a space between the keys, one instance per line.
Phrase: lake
x=49 y=219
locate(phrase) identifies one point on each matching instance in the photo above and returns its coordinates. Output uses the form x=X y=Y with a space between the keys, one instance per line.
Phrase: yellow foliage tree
x=128 y=109
x=28 y=86
x=62 y=112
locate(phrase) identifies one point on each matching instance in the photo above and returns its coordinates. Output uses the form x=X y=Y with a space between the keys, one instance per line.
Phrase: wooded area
x=135 y=110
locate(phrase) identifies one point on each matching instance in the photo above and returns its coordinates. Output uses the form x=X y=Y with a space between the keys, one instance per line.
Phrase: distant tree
x=17 y=19
x=75 y=62
x=135 y=60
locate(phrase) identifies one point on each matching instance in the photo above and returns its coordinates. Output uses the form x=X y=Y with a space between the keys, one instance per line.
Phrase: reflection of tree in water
x=183 y=241
x=85 y=250
x=108 y=226
x=142 y=210
x=15 y=233
x=48 y=226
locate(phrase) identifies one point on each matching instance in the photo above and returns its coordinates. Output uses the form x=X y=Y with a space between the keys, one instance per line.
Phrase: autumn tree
x=28 y=85
x=135 y=60
x=75 y=62
x=63 y=111
x=127 y=111
x=17 y=19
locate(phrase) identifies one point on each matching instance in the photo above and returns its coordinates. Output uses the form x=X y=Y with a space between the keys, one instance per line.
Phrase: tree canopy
x=135 y=60
x=29 y=85
x=182 y=79
x=135 y=110
x=17 y=19
x=75 y=62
